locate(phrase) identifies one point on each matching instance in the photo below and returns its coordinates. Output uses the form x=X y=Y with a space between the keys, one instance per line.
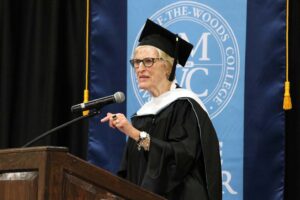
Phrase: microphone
x=118 y=97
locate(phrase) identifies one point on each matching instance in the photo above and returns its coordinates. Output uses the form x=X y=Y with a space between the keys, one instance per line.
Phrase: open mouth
x=143 y=77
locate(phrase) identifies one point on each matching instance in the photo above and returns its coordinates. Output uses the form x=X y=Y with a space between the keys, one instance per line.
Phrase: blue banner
x=236 y=68
x=107 y=76
x=264 y=117
x=214 y=71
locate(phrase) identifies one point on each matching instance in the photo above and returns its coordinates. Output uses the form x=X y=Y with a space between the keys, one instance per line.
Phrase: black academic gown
x=183 y=161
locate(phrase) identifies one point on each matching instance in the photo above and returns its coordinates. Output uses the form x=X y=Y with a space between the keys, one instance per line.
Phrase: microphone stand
x=91 y=114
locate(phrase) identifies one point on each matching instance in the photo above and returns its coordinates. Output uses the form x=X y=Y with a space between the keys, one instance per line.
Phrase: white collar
x=156 y=104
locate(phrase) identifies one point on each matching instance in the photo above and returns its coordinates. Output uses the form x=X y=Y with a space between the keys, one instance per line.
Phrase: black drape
x=42 y=71
x=292 y=178
x=42 y=45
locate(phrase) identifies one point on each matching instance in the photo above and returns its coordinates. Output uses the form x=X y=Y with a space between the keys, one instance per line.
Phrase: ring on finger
x=114 y=117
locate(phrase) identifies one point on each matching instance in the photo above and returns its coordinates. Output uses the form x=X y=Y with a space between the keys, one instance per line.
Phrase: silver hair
x=161 y=54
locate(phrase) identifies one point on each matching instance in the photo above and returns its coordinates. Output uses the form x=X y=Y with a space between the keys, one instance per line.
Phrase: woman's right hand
x=120 y=122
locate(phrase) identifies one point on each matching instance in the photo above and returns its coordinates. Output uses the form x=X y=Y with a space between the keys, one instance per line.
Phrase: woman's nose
x=141 y=67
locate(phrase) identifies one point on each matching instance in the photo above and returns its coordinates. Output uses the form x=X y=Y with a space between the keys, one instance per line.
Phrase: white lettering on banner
x=187 y=75
x=213 y=22
x=212 y=71
x=226 y=178
x=177 y=12
x=221 y=152
x=226 y=175
x=204 y=41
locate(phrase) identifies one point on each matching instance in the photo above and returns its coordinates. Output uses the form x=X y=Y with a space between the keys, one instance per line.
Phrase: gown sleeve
x=170 y=159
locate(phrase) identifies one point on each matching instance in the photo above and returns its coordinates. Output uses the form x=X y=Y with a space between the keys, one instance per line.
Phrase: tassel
x=86 y=99
x=287 y=102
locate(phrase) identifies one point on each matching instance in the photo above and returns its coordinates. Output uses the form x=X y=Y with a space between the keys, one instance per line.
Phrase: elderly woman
x=172 y=148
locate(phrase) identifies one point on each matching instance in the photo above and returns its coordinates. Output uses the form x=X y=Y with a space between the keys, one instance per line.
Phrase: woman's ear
x=168 y=69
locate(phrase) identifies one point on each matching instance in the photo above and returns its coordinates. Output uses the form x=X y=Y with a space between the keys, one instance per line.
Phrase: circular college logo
x=212 y=71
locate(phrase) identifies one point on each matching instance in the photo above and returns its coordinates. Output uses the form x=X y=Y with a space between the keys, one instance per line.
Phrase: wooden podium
x=52 y=173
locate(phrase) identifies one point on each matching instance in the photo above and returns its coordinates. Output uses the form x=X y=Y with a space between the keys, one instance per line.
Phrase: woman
x=172 y=148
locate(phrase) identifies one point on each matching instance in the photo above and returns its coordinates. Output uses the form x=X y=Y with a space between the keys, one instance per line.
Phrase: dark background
x=42 y=74
x=292 y=142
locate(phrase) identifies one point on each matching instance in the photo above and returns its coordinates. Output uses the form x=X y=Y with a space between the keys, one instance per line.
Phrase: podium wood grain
x=53 y=173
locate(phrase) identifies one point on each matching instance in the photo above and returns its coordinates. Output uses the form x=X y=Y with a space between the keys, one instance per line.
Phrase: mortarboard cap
x=157 y=36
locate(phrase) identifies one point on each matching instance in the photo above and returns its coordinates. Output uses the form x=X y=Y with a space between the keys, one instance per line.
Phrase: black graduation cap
x=155 y=35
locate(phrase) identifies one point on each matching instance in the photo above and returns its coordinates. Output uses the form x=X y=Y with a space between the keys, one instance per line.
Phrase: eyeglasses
x=147 y=62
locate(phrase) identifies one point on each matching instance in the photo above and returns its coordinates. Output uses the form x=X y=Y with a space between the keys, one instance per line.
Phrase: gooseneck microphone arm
x=91 y=114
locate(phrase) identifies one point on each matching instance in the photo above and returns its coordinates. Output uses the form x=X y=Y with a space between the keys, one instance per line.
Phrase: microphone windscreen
x=119 y=97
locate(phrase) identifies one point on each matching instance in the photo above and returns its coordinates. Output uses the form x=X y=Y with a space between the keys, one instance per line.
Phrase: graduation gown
x=183 y=161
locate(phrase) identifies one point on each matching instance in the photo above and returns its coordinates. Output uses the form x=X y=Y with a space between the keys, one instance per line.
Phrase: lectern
x=39 y=173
